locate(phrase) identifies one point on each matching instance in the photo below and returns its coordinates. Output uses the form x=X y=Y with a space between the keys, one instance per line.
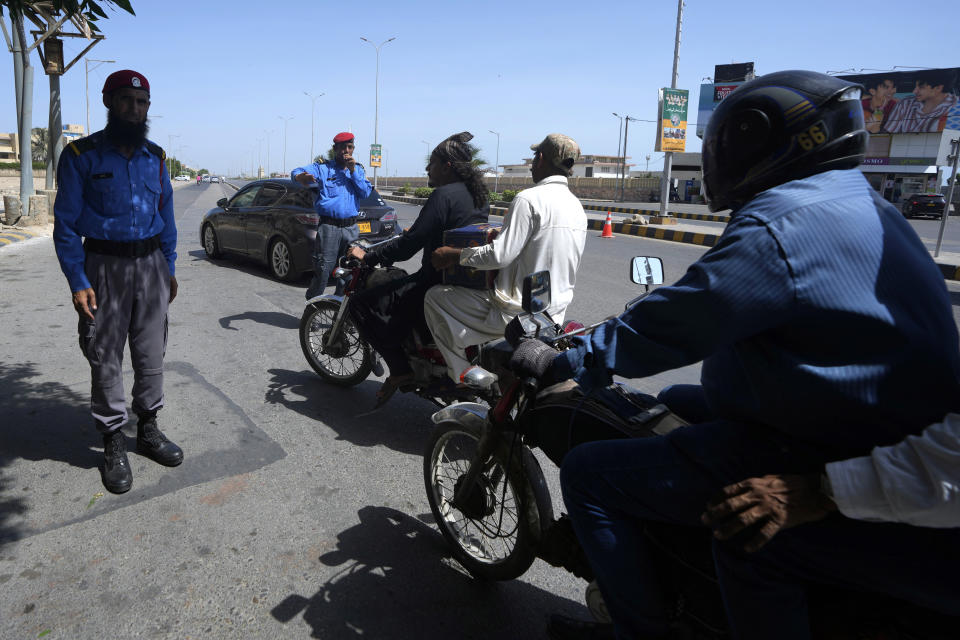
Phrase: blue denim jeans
x=611 y=487
x=331 y=243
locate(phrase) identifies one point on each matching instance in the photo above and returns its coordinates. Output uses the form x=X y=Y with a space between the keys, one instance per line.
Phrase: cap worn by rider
x=344 y=136
x=559 y=150
x=125 y=79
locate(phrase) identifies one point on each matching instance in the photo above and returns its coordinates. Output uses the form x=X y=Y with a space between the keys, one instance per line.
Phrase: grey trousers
x=132 y=299
x=331 y=243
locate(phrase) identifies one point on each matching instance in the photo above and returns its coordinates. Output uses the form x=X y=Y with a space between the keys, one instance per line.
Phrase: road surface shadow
x=45 y=420
x=271 y=318
x=42 y=421
x=249 y=266
x=398 y=582
x=48 y=425
x=403 y=424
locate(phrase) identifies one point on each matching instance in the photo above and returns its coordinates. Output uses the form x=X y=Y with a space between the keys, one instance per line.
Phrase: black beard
x=125 y=134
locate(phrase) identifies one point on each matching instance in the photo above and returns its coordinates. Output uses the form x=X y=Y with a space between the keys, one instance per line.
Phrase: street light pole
x=283 y=166
x=496 y=168
x=313 y=106
x=268 y=149
x=170 y=138
x=376 y=103
x=86 y=66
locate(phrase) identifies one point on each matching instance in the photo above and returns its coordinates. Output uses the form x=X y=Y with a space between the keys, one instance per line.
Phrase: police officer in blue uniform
x=116 y=240
x=340 y=185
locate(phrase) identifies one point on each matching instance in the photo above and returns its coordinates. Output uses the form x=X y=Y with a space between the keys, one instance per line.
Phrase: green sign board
x=375 y=154
x=672 y=124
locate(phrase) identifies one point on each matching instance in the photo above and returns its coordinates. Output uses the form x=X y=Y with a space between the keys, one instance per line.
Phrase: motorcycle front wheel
x=347 y=360
x=495 y=533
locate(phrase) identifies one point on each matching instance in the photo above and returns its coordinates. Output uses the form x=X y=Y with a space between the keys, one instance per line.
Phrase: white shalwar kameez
x=544 y=229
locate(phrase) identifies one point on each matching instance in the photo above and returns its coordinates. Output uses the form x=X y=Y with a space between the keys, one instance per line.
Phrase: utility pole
x=620 y=160
x=668 y=157
x=623 y=177
x=955 y=145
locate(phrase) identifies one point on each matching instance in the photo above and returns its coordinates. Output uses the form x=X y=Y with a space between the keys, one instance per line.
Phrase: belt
x=339 y=222
x=135 y=249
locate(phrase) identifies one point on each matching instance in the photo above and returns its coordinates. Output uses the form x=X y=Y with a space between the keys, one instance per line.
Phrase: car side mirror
x=645 y=270
x=536 y=292
x=222 y=203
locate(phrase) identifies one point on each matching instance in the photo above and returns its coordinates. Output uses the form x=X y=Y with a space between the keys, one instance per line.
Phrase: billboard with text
x=923 y=101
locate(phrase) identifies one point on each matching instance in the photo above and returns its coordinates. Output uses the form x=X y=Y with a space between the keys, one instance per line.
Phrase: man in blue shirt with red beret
x=116 y=240
x=340 y=184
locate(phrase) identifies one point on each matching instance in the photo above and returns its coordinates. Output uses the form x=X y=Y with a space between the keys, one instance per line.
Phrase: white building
x=587 y=166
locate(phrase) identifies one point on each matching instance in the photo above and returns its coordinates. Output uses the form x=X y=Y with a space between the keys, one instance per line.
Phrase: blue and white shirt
x=104 y=195
x=819 y=313
x=338 y=189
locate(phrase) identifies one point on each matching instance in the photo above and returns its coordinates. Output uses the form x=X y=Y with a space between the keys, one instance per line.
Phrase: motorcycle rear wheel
x=497 y=536
x=348 y=360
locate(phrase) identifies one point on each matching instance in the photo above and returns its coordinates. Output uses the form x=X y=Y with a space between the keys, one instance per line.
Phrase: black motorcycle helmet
x=780 y=127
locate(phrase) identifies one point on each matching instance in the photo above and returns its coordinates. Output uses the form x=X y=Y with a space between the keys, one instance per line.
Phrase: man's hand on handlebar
x=356 y=253
x=532 y=358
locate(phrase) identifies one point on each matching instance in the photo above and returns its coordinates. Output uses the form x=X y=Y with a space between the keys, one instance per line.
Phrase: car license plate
x=364 y=227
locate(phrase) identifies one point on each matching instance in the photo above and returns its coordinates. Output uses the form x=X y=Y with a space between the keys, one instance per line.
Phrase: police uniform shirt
x=104 y=195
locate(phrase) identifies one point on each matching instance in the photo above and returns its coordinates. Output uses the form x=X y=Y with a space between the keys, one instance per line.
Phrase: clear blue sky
x=222 y=72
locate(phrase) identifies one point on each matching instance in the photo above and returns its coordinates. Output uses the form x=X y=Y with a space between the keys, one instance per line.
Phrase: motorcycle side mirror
x=646 y=270
x=222 y=203
x=536 y=292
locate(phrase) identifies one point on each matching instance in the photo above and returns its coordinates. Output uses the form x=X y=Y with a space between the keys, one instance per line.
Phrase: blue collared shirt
x=337 y=189
x=819 y=312
x=101 y=194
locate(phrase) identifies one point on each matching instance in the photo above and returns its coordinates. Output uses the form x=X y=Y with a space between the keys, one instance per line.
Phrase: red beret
x=125 y=79
x=345 y=136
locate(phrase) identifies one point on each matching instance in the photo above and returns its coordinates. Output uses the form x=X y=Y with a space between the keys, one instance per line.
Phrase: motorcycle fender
x=465 y=412
x=329 y=296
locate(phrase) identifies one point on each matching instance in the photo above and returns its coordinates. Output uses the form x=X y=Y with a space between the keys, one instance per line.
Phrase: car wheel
x=281 y=260
x=210 y=244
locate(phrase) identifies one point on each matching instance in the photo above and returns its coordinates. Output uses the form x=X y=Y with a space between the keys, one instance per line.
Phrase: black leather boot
x=152 y=443
x=117 y=477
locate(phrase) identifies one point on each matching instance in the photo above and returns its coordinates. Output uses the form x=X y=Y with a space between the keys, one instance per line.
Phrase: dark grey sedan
x=274 y=222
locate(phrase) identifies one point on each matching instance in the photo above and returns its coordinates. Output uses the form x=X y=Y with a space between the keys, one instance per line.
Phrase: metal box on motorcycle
x=473 y=235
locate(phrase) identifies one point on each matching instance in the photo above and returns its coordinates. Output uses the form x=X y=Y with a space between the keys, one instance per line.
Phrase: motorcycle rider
x=386 y=313
x=544 y=228
x=825 y=330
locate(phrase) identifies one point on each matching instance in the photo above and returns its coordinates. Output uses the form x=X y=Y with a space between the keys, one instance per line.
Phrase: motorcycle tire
x=349 y=360
x=496 y=538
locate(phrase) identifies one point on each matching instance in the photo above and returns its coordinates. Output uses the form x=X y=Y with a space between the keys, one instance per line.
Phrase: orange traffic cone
x=607 y=228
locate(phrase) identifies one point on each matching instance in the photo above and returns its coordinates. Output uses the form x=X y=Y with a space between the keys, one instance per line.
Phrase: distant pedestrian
x=340 y=184
x=116 y=240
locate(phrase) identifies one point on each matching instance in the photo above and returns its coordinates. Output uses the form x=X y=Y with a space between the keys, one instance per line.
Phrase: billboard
x=924 y=101
x=672 y=123
x=375 y=155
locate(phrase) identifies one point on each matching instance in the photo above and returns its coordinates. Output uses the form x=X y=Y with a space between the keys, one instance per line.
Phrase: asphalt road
x=298 y=512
